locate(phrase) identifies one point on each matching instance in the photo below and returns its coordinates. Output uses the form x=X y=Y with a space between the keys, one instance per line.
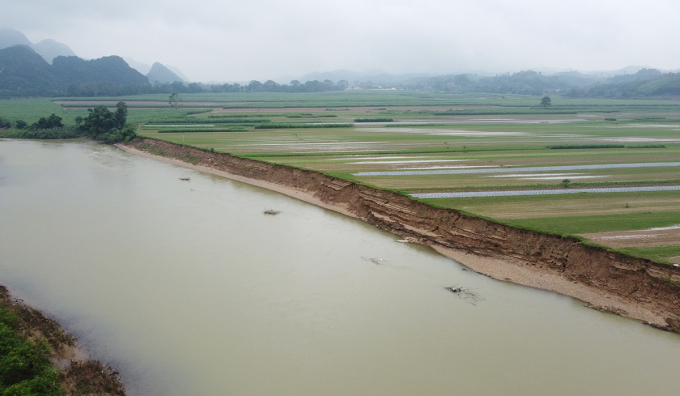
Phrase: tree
x=102 y=124
x=53 y=121
x=20 y=124
x=120 y=115
x=173 y=100
x=566 y=183
x=545 y=102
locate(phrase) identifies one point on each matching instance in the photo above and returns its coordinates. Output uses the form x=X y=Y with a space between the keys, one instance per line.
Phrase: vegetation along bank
x=37 y=357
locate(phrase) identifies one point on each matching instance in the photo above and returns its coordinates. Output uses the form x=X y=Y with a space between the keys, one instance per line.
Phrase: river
x=187 y=288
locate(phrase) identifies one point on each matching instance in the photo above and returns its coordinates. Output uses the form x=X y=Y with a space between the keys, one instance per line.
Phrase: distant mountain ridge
x=48 y=49
x=351 y=76
x=629 y=82
x=25 y=73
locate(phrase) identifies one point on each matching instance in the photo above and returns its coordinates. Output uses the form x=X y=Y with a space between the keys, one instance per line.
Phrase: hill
x=644 y=83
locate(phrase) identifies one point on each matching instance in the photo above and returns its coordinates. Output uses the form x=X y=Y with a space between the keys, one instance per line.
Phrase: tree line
x=100 y=124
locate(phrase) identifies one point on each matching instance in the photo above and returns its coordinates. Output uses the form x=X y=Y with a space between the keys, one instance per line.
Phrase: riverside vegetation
x=100 y=124
x=29 y=342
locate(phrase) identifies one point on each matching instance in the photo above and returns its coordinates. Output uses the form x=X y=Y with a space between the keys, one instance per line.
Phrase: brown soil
x=613 y=282
x=619 y=239
x=79 y=375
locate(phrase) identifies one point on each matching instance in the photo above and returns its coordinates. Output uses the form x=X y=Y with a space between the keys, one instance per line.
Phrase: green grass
x=661 y=254
x=588 y=224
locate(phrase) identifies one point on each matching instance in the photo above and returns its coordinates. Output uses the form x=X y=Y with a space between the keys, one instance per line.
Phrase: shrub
x=25 y=367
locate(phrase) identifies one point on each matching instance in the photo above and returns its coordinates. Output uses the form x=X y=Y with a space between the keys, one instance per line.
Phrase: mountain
x=162 y=74
x=48 y=49
x=10 y=37
x=178 y=72
x=109 y=69
x=139 y=66
x=25 y=73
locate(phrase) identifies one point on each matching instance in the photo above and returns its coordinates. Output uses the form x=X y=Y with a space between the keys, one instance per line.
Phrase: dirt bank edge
x=636 y=288
x=78 y=374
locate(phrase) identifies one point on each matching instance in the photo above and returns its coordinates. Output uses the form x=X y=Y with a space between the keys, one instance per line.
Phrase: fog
x=212 y=40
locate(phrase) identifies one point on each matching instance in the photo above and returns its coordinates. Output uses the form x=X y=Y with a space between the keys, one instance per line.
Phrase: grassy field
x=432 y=131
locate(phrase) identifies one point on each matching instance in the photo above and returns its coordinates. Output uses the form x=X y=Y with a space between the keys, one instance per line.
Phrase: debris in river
x=184 y=179
x=465 y=294
x=272 y=212
x=376 y=261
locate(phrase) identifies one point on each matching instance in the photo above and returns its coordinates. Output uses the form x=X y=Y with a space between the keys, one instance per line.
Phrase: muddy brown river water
x=187 y=288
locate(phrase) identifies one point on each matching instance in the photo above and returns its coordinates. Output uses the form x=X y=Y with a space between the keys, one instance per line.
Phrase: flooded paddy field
x=187 y=287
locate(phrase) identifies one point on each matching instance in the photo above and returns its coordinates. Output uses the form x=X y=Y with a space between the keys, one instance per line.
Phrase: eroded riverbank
x=631 y=287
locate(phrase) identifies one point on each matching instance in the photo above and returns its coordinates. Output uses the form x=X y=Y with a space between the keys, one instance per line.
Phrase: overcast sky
x=261 y=39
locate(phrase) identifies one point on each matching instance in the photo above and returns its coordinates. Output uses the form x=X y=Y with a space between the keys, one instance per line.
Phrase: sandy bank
x=635 y=288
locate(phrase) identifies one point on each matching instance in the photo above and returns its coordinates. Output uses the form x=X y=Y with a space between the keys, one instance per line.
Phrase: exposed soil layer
x=79 y=375
x=607 y=281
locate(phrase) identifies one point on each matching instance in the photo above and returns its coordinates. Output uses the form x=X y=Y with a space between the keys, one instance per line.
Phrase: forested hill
x=644 y=83
x=25 y=73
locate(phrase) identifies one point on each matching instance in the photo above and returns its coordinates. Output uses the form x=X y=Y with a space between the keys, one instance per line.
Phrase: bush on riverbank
x=25 y=367
x=28 y=340
x=106 y=126
x=53 y=133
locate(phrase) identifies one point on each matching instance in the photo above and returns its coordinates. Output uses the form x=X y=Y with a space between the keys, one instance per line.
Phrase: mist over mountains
x=48 y=49
x=161 y=74
x=50 y=68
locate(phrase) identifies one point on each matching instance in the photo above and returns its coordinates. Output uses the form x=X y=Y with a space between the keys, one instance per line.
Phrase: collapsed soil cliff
x=652 y=287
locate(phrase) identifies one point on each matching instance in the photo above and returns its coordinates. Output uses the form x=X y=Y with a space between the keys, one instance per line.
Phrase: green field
x=432 y=131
